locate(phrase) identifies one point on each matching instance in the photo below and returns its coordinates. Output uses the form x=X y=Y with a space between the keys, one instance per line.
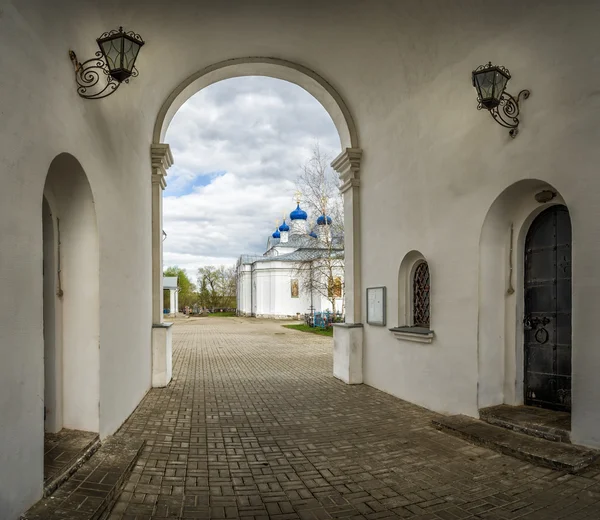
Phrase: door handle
x=533 y=322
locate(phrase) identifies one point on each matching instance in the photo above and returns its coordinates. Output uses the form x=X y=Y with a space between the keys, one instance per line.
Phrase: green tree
x=217 y=286
x=187 y=290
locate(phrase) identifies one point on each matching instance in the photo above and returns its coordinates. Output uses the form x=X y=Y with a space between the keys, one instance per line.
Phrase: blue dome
x=322 y=220
x=284 y=226
x=313 y=234
x=276 y=234
x=298 y=214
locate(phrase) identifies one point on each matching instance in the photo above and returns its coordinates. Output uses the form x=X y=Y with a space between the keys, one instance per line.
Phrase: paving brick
x=254 y=426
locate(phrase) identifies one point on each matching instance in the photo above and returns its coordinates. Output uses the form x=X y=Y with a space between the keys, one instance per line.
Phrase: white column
x=348 y=337
x=162 y=159
x=172 y=301
x=347 y=164
x=176 y=311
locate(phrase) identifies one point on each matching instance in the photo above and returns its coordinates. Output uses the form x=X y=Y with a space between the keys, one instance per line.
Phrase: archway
x=71 y=299
x=276 y=68
x=347 y=164
x=501 y=352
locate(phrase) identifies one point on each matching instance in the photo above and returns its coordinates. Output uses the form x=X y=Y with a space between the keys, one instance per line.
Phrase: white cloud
x=238 y=146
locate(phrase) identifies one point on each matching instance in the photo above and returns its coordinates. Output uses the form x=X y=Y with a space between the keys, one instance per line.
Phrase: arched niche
x=309 y=80
x=409 y=263
x=71 y=299
x=501 y=294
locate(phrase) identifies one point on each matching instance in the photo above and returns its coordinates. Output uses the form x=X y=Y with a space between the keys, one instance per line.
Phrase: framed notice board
x=376 y=306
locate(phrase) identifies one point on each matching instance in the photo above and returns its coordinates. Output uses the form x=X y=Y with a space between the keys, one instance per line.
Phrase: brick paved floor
x=254 y=426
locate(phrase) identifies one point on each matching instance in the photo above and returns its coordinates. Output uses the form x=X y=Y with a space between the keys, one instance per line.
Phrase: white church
x=301 y=271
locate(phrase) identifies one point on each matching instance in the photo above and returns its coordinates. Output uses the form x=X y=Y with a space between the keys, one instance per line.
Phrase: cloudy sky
x=238 y=146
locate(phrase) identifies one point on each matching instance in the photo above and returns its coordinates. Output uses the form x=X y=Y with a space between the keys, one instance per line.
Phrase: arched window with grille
x=414 y=300
x=421 y=297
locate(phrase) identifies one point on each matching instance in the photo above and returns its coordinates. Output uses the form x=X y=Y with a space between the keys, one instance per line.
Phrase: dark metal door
x=547 y=321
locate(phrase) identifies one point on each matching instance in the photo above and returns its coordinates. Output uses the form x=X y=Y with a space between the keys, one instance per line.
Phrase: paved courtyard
x=254 y=426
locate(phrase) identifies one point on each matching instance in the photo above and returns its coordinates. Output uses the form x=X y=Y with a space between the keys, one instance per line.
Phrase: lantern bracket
x=507 y=112
x=93 y=77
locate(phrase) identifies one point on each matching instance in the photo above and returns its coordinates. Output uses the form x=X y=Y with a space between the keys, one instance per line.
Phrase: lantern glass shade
x=120 y=51
x=490 y=83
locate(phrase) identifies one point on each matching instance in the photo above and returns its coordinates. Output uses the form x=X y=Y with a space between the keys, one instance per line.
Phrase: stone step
x=90 y=493
x=52 y=483
x=537 y=422
x=560 y=456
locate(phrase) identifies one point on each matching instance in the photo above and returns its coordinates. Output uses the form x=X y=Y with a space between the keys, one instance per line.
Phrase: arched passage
x=71 y=299
x=347 y=164
x=501 y=353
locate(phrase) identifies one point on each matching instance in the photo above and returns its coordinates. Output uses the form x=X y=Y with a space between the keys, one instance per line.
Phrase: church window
x=414 y=300
x=421 y=296
x=295 y=289
x=335 y=287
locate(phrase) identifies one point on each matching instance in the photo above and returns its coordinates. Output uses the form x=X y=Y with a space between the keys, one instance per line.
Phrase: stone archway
x=501 y=356
x=71 y=299
x=347 y=164
x=276 y=68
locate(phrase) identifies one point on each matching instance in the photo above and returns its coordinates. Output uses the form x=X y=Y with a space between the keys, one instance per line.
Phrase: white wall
x=450 y=162
x=244 y=288
x=273 y=296
x=42 y=117
x=273 y=290
x=432 y=167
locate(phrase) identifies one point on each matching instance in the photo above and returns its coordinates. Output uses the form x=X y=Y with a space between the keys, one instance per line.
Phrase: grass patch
x=315 y=330
x=221 y=314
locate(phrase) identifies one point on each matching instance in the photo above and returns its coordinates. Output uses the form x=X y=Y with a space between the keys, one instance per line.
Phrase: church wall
x=244 y=296
x=42 y=117
x=273 y=291
x=432 y=167
x=450 y=162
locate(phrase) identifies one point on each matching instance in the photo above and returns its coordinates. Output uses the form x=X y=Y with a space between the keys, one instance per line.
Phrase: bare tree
x=324 y=276
x=318 y=184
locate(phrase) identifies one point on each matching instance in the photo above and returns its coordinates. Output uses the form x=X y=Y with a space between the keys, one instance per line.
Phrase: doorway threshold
x=64 y=453
x=546 y=424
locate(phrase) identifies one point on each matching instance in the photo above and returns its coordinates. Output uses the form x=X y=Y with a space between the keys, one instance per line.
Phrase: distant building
x=171 y=307
x=278 y=284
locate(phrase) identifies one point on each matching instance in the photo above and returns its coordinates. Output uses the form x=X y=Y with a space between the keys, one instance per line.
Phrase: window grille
x=421 y=296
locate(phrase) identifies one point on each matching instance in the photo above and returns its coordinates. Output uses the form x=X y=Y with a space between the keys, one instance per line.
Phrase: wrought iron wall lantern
x=490 y=82
x=113 y=64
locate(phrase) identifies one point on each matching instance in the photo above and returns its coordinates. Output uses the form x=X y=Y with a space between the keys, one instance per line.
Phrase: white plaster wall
x=273 y=290
x=432 y=167
x=42 y=117
x=244 y=303
x=449 y=164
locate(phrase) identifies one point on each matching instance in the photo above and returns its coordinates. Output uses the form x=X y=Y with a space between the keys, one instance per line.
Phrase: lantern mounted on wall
x=113 y=65
x=490 y=82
